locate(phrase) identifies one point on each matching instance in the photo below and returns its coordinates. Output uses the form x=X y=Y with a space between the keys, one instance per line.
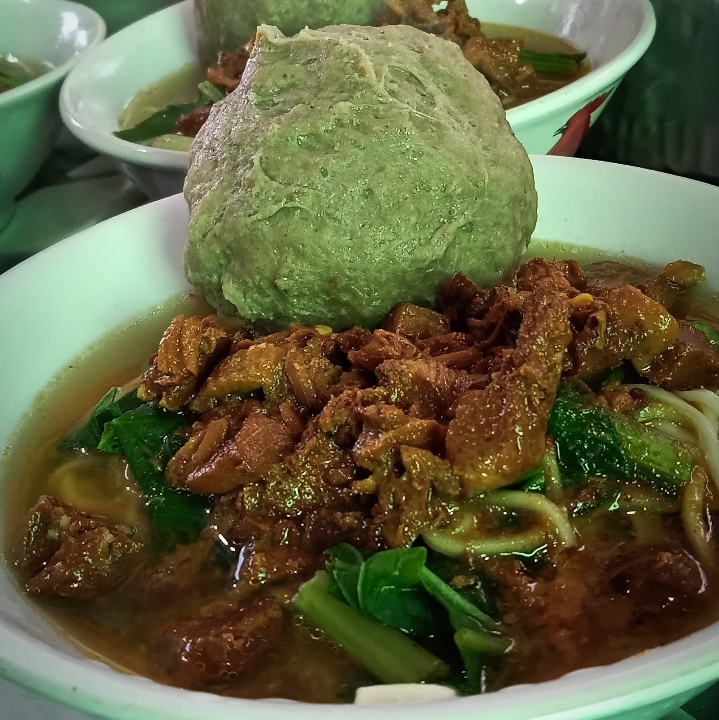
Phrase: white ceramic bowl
x=54 y=33
x=118 y=14
x=614 y=33
x=63 y=300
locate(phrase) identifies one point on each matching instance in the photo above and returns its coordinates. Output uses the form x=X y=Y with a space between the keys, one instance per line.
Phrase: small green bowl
x=54 y=33
x=117 y=14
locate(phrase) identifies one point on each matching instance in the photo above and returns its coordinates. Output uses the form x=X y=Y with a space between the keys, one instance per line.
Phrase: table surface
x=74 y=190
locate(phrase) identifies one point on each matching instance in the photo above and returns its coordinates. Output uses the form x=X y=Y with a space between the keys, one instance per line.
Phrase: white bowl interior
x=50 y=31
x=102 y=85
x=601 y=28
x=61 y=301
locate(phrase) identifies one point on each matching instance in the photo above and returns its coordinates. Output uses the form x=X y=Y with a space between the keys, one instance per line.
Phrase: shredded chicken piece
x=498 y=432
x=188 y=349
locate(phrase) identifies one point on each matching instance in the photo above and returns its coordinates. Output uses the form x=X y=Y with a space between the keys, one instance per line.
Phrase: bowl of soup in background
x=49 y=36
x=614 y=33
x=118 y=14
x=66 y=299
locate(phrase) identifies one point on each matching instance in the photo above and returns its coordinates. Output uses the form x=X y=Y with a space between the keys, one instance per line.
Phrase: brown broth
x=305 y=666
x=543 y=83
x=181 y=86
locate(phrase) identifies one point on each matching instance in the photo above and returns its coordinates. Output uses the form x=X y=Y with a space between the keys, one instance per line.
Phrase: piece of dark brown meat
x=71 y=554
x=188 y=350
x=383 y=345
x=412 y=502
x=385 y=429
x=597 y=604
x=563 y=276
x=190 y=123
x=623 y=325
x=424 y=386
x=222 y=643
x=258 y=367
x=498 y=432
x=673 y=283
x=310 y=373
x=691 y=362
x=415 y=322
x=230 y=67
x=315 y=475
x=213 y=461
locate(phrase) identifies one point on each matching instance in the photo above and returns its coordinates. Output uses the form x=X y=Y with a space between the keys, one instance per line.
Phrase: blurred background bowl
x=54 y=33
x=614 y=33
x=118 y=14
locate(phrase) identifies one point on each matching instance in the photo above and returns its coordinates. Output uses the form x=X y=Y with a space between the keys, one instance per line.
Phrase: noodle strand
x=534 y=502
x=708 y=441
x=693 y=516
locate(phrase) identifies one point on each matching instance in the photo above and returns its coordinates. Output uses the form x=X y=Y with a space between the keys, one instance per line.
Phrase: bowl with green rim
x=614 y=33
x=40 y=41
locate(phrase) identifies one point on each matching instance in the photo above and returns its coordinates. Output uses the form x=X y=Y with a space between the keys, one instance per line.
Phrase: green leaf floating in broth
x=390 y=589
x=147 y=437
x=149 y=425
x=7 y=82
x=483 y=592
x=396 y=588
x=385 y=652
x=532 y=481
x=343 y=567
x=87 y=437
x=708 y=330
x=595 y=441
x=210 y=94
x=160 y=123
x=552 y=62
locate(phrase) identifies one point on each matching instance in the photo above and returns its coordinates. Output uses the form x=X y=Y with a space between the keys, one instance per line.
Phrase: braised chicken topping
x=503 y=488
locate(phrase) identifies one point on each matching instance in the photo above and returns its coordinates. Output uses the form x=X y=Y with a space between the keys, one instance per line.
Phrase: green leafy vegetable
x=609 y=498
x=7 y=82
x=148 y=425
x=462 y=613
x=343 y=568
x=396 y=588
x=595 y=441
x=111 y=405
x=481 y=590
x=475 y=648
x=209 y=93
x=146 y=437
x=390 y=589
x=616 y=376
x=657 y=412
x=160 y=123
x=708 y=330
x=532 y=481
x=387 y=653
x=552 y=62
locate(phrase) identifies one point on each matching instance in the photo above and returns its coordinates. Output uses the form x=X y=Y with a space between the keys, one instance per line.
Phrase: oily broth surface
x=32 y=452
x=304 y=667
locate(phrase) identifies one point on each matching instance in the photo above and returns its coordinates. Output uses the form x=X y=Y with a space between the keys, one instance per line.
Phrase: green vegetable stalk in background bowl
x=48 y=38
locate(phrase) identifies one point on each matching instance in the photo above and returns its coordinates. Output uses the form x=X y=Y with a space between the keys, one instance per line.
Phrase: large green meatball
x=353 y=168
